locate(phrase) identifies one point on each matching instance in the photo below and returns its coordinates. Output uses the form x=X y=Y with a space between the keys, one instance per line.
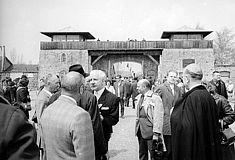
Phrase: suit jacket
x=67 y=131
x=168 y=99
x=41 y=105
x=17 y=135
x=220 y=88
x=109 y=109
x=88 y=102
x=22 y=95
x=121 y=89
x=134 y=91
x=127 y=89
x=153 y=108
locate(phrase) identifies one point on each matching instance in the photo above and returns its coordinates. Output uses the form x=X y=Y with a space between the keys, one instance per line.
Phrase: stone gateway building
x=156 y=57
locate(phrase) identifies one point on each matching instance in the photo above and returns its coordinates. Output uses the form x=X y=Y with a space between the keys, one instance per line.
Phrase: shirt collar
x=72 y=99
x=48 y=92
x=195 y=86
x=100 y=92
x=148 y=93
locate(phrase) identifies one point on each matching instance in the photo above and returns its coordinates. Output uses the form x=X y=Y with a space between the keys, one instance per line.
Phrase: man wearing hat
x=88 y=102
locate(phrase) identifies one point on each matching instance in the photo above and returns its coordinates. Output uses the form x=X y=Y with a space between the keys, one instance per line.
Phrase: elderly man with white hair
x=194 y=121
x=108 y=103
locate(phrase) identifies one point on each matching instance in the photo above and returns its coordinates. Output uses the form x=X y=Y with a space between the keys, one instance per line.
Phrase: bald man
x=108 y=103
x=52 y=84
x=194 y=121
x=149 y=121
x=67 y=128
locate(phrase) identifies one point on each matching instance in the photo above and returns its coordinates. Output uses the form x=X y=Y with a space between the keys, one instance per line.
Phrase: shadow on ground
x=114 y=152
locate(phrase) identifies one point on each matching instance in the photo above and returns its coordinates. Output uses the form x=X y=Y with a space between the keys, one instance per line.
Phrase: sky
x=21 y=21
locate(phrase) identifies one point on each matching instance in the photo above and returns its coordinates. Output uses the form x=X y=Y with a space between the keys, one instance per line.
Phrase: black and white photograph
x=117 y=80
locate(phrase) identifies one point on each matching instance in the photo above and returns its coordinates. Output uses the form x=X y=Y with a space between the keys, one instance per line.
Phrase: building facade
x=156 y=57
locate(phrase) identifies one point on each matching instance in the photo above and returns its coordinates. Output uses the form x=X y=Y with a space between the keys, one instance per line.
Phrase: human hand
x=101 y=117
x=157 y=137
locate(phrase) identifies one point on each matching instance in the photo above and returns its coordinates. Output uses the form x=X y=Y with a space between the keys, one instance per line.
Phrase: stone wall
x=228 y=68
x=173 y=59
x=58 y=61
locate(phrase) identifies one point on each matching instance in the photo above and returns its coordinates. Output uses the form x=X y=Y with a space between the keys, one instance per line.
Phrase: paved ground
x=123 y=144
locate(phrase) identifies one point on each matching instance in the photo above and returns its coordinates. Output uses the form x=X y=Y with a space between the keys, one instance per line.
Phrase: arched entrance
x=127 y=69
x=106 y=60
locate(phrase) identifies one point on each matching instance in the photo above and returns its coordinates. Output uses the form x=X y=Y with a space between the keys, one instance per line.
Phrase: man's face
x=140 y=88
x=96 y=82
x=171 y=78
x=54 y=84
x=216 y=76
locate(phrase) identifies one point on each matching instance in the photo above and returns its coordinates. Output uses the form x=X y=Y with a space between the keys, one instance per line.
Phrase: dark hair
x=135 y=78
x=119 y=76
x=24 y=76
x=216 y=72
x=24 y=82
x=108 y=81
x=172 y=71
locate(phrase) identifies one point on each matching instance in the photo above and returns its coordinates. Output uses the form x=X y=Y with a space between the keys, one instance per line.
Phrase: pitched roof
x=185 y=30
x=7 y=64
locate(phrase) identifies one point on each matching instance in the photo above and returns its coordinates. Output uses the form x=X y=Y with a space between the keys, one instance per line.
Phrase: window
x=63 y=57
x=187 y=62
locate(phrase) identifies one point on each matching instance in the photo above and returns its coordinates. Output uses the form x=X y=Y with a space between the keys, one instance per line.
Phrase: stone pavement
x=123 y=144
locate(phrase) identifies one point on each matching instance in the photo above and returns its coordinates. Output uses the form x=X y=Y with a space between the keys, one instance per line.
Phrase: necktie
x=139 y=104
x=97 y=95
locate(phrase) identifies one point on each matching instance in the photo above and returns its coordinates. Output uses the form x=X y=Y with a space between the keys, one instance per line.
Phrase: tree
x=224 y=46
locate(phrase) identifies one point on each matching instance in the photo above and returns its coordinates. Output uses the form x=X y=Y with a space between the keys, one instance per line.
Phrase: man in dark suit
x=17 y=134
x=119 y=92
x=88 y=102
x=134 y=91
x=108 y=102
x=127 y=91
x=220 y=85
x=169 y=93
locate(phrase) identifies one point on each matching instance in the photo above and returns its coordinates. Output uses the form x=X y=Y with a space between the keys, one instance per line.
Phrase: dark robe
x=195 y=127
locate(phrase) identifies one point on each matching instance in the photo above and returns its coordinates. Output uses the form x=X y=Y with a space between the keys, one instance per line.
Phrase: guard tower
x=197 y=52
x=68 y=36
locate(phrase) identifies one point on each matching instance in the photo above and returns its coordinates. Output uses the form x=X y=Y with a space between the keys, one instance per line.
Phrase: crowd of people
x=180 y=118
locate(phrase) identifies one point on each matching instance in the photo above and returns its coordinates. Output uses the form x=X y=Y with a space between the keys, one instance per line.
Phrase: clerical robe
x=195 y=127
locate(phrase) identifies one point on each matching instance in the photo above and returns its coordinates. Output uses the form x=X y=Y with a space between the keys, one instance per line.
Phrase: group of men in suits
x=58 y=116
x=125 y=90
